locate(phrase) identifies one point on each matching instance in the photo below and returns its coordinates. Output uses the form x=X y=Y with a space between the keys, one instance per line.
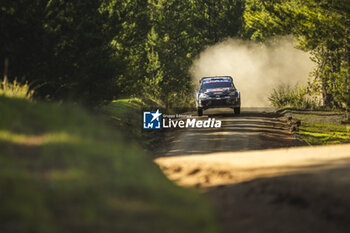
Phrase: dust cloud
x=255 y=68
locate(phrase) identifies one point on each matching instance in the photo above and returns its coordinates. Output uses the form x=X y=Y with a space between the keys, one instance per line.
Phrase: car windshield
x=216 y=84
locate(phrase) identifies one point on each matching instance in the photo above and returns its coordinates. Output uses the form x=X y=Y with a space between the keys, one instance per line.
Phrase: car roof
x=216 y=78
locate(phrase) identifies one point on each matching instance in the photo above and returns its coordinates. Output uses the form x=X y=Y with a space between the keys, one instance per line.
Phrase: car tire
x=200 y=111
x=237 y=110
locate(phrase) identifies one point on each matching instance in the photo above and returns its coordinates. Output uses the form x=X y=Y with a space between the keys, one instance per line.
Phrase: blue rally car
x=217 y=92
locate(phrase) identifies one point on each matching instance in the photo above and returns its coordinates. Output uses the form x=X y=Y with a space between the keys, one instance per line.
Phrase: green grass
x=126 y=115
x=324 y=133
x=322 y=128
x=124 y=111
x=119 y=108
x=62 y=170
x=15 y=89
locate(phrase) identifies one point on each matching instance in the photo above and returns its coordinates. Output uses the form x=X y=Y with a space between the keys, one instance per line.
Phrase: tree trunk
x=326 y=97
x=6 y=68
x=347 y=78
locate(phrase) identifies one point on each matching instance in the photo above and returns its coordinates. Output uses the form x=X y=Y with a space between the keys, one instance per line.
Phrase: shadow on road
x=313 y=202
x=304 y=189
x=251 y=130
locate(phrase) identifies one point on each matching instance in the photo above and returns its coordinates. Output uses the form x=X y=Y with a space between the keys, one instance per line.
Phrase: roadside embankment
x=318 y=127
x=63 y=170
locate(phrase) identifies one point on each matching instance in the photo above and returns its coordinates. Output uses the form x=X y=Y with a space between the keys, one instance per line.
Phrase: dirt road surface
x=260 y=178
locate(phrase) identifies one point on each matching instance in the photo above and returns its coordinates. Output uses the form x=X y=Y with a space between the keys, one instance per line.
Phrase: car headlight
x=203 y=96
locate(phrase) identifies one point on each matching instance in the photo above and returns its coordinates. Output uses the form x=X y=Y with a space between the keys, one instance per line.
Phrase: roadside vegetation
x=322 y=127
x=320 y=28
x=318 y=126
x=15 y=89
x=96 y=51
x=62 y=170
x=125 y=115
x=294 y=97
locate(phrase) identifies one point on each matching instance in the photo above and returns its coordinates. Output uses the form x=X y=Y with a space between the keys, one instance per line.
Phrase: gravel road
x=253 y=129
x=260 y=178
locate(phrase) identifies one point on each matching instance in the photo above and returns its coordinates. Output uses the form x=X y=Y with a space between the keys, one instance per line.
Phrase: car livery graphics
x=220 y=89
x=216 y=81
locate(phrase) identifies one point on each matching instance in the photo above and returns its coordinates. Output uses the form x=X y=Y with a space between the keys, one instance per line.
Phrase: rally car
x=217 y=92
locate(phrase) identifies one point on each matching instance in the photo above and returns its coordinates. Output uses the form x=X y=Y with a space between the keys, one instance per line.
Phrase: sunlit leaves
x=321 y=27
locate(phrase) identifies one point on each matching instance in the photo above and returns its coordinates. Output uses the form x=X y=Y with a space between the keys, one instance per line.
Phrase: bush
x=15 y=89
x=297 y=97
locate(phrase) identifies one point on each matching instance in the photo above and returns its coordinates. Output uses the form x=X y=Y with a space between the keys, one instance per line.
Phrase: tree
x=321 y=27
x=92 y=51
x=62 y=48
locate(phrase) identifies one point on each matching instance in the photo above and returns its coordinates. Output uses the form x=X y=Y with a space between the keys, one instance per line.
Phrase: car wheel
x=237 y=110
x=200 y=111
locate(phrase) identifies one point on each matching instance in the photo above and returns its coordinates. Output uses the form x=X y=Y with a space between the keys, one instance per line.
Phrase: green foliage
x=102 y=49
x=62 y=170
x=184 y=29
x=62 y=48
x=154 y=72
x=321 y=27
x=15 y=89
x=297 y=97
x=126 y=114
x=166 y=37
